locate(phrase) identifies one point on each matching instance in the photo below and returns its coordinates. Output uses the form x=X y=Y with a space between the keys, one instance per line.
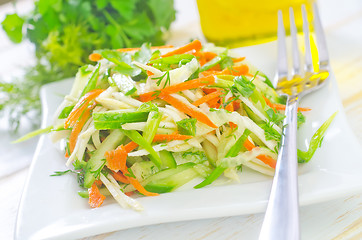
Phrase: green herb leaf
x=13 y=25
x=165 y=78
x=187 y=126
x=243 y=86
x=125 y=8
x=300 y=119
x=270 y=132
x=275 y=117
x=60 y=173
x=147 y=107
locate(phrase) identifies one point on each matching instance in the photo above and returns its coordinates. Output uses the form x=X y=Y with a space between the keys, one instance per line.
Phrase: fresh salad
x=146 y=121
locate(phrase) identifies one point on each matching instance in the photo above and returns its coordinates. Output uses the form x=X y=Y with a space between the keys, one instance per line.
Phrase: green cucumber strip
x=172 y=182
x=210 y=152
x=137 y=138
x=239 y=144
x=113 y=140
x=165 y=173
x=92 y=82
x=143 y=170
x=252 y=115
x=175 y=59
x=153 y=121
x=305 y=156
x=167 y=159
x=213 y=62
x=65 y=112
x=222 y=83
x=233 y=151
x=114 y=120
x=212 y=177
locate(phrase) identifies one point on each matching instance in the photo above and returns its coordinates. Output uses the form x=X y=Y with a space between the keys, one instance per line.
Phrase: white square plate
x=51 y=208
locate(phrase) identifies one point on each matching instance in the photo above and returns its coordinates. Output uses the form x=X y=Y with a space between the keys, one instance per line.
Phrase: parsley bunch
x=65 y=32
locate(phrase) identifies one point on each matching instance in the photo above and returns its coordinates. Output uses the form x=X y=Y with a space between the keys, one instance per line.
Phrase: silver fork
x=281 y=221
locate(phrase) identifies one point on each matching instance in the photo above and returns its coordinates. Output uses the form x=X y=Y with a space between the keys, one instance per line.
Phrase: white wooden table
x=338 y=219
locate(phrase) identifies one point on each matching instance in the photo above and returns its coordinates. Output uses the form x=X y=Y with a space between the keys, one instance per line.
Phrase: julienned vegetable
x=196 y=113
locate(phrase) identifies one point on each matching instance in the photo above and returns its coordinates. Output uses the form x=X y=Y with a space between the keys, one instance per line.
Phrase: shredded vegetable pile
x=149 y=120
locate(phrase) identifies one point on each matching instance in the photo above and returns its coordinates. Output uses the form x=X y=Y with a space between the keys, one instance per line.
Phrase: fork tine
x=282 y=71
x=295 y=49
x=308 y=52
x=321 y=41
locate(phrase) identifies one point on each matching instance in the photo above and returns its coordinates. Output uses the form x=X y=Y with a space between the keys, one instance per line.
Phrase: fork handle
x=281 y=221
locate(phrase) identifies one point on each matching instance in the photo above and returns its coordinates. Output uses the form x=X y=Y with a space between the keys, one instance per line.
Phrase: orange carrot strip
x=140 y=188
x=238 y=59
x=232 y=125
x=194 y=45
x=282 y=107
x=277 y=106
x=120 y=177
x=122 y=154
x=236 y=104
x=267 y=160
x=129 y=147
x=195 y=83
x=207 y=73
x=248 y=145
x=216 y=68
x=98 y=182
x=207 y=98
x=78 y=127
x=95 y=57
x=170 y=137
x=193 y=112
x=236 y=70
x=116 y=159
x=264 y=158
x=136 y=49
x=230 y=107
x=215 y=102
x=204 y=57
x=208 y=90
x=95 y=197
x=81 y=106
